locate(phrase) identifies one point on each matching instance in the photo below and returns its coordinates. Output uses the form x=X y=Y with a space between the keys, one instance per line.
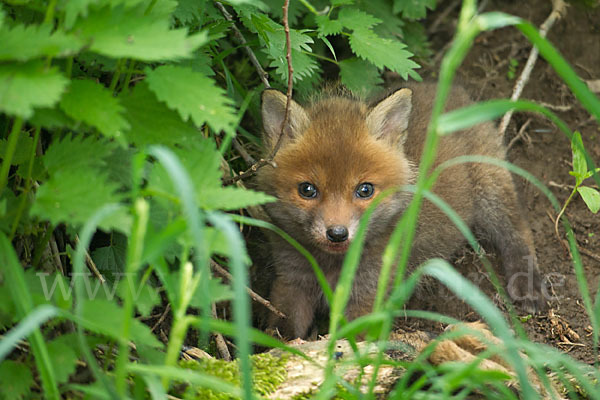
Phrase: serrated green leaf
x=382 y=52
x=73 y=195
x=327 y=27
x=413 y=9
x=353 y=18
x=51 y=118
x=295 y=10
x=152 y=122
x=391 y=27
x=16 y=381
x=359 y=76
x=74 y=9
x=579 y=163
x=75 y=152
x=193 y=95
x=95 y=105
x=106 y=318
x=200 y=62
x=217 y=292
x=591 y=197
x=26 y=86
x=24 y=43
x=127 y=32
x=231 y=198
x=63 y=359
x=188 y=10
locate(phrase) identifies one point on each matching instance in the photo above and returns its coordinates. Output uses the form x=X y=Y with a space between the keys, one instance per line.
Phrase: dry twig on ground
x=558 y=11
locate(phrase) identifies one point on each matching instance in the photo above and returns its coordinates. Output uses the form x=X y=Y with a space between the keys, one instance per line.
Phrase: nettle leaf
x=193 y=95
x=51 y=118
x=121 y=32
x=95 y=105
x=382 y=52
x=152 y=122
x=77 y=151
x=17 y=379
x=110 y=259
x=579 y=164
x=217 y=292
x=145 y=296
x=73 y=195
x=26 y=86
x=392 y=25
x=413 y=9
x=353 y=18
x=328 y=27
x=24 y=43
x=591 y=197
x=63 y=358
x=359 y=76
x=231 y=198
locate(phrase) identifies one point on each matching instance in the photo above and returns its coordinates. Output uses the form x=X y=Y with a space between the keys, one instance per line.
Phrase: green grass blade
x=32 y=321
x=15 y=279
x=241 y=306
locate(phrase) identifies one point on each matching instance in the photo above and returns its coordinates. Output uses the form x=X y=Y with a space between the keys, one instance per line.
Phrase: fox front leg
x=297 y=303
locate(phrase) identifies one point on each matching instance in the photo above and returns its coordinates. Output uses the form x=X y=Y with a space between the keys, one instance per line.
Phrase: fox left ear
x=389 y=118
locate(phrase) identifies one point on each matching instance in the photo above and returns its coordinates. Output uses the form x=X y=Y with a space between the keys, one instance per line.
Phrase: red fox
x=338 y=154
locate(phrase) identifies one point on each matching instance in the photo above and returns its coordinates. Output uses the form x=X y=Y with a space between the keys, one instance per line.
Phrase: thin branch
x=56 y=254
x=240 y=149
x=558 y=11
x=90 y=263
x=262 y=162
x=520 y=135
x=253 y=295
x=259 y=69
x=219 y=340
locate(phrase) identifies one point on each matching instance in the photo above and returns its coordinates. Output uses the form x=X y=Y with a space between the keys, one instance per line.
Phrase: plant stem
x=13 y=138
x=130 y=70
x=562 y=211
x=116 y=75
x=134 y=257
x=50 y=12
x=25 y=193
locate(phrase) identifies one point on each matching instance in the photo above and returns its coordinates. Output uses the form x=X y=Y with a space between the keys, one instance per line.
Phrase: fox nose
x=337 y=233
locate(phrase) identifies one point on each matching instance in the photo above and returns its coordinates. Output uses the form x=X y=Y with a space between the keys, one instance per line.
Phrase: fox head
x=335 y=157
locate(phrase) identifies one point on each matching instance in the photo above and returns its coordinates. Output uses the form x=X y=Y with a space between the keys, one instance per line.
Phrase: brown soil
x=544 y=152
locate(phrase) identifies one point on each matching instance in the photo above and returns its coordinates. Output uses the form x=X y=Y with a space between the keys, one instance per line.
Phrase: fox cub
x=338 y=154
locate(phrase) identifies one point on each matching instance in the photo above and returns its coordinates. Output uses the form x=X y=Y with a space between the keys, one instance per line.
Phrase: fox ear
x=389 y=118
x=273 y=113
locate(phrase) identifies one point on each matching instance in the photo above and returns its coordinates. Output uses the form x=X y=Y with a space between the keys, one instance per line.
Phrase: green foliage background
x=88 y=90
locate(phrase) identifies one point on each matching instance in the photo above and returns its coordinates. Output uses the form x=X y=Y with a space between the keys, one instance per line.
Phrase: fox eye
x=365 y=190
x=307 y=190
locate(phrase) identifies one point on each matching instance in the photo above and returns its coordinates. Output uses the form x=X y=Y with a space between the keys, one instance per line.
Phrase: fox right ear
x=389 y=118
x=273 y=114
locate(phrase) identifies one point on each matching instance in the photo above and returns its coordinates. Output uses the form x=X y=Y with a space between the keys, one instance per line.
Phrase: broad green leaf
x=193 y=95
x=127 y=32
x=95 y=105
x=217 y=292
x=51 y=118
x=63 y=359
x=231 y=198
x=24 y=43
x=382 y=52
x=353 y=18
x=359 y=75
x=49 y=288
x=579 y=164
x=16 y=379
x=26 y=86
x=74 y=9
x=106 y=318
x=152 y=122
x=77 y=151
x=413 y=9
x=327 y=26
x=110 y=259
x=295 y=10
x=145 y=296
x=591 y=197
x=73 y=195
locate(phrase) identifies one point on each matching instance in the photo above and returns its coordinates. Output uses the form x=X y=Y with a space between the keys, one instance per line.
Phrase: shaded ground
x=545 y=152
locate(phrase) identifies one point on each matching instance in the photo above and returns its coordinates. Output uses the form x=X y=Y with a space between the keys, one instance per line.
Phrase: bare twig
x=90 y=263
x=442 y=17
x=558 y=10
x=269 y=161
x=219 y=340
x=519 y=135
x=253 y=295
x=589 y=254
x=56 y=255
x=162 y=317
x=240 y=149
x=259 y=69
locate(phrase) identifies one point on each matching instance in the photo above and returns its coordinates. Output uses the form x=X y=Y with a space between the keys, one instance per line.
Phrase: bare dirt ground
x=545 y=152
